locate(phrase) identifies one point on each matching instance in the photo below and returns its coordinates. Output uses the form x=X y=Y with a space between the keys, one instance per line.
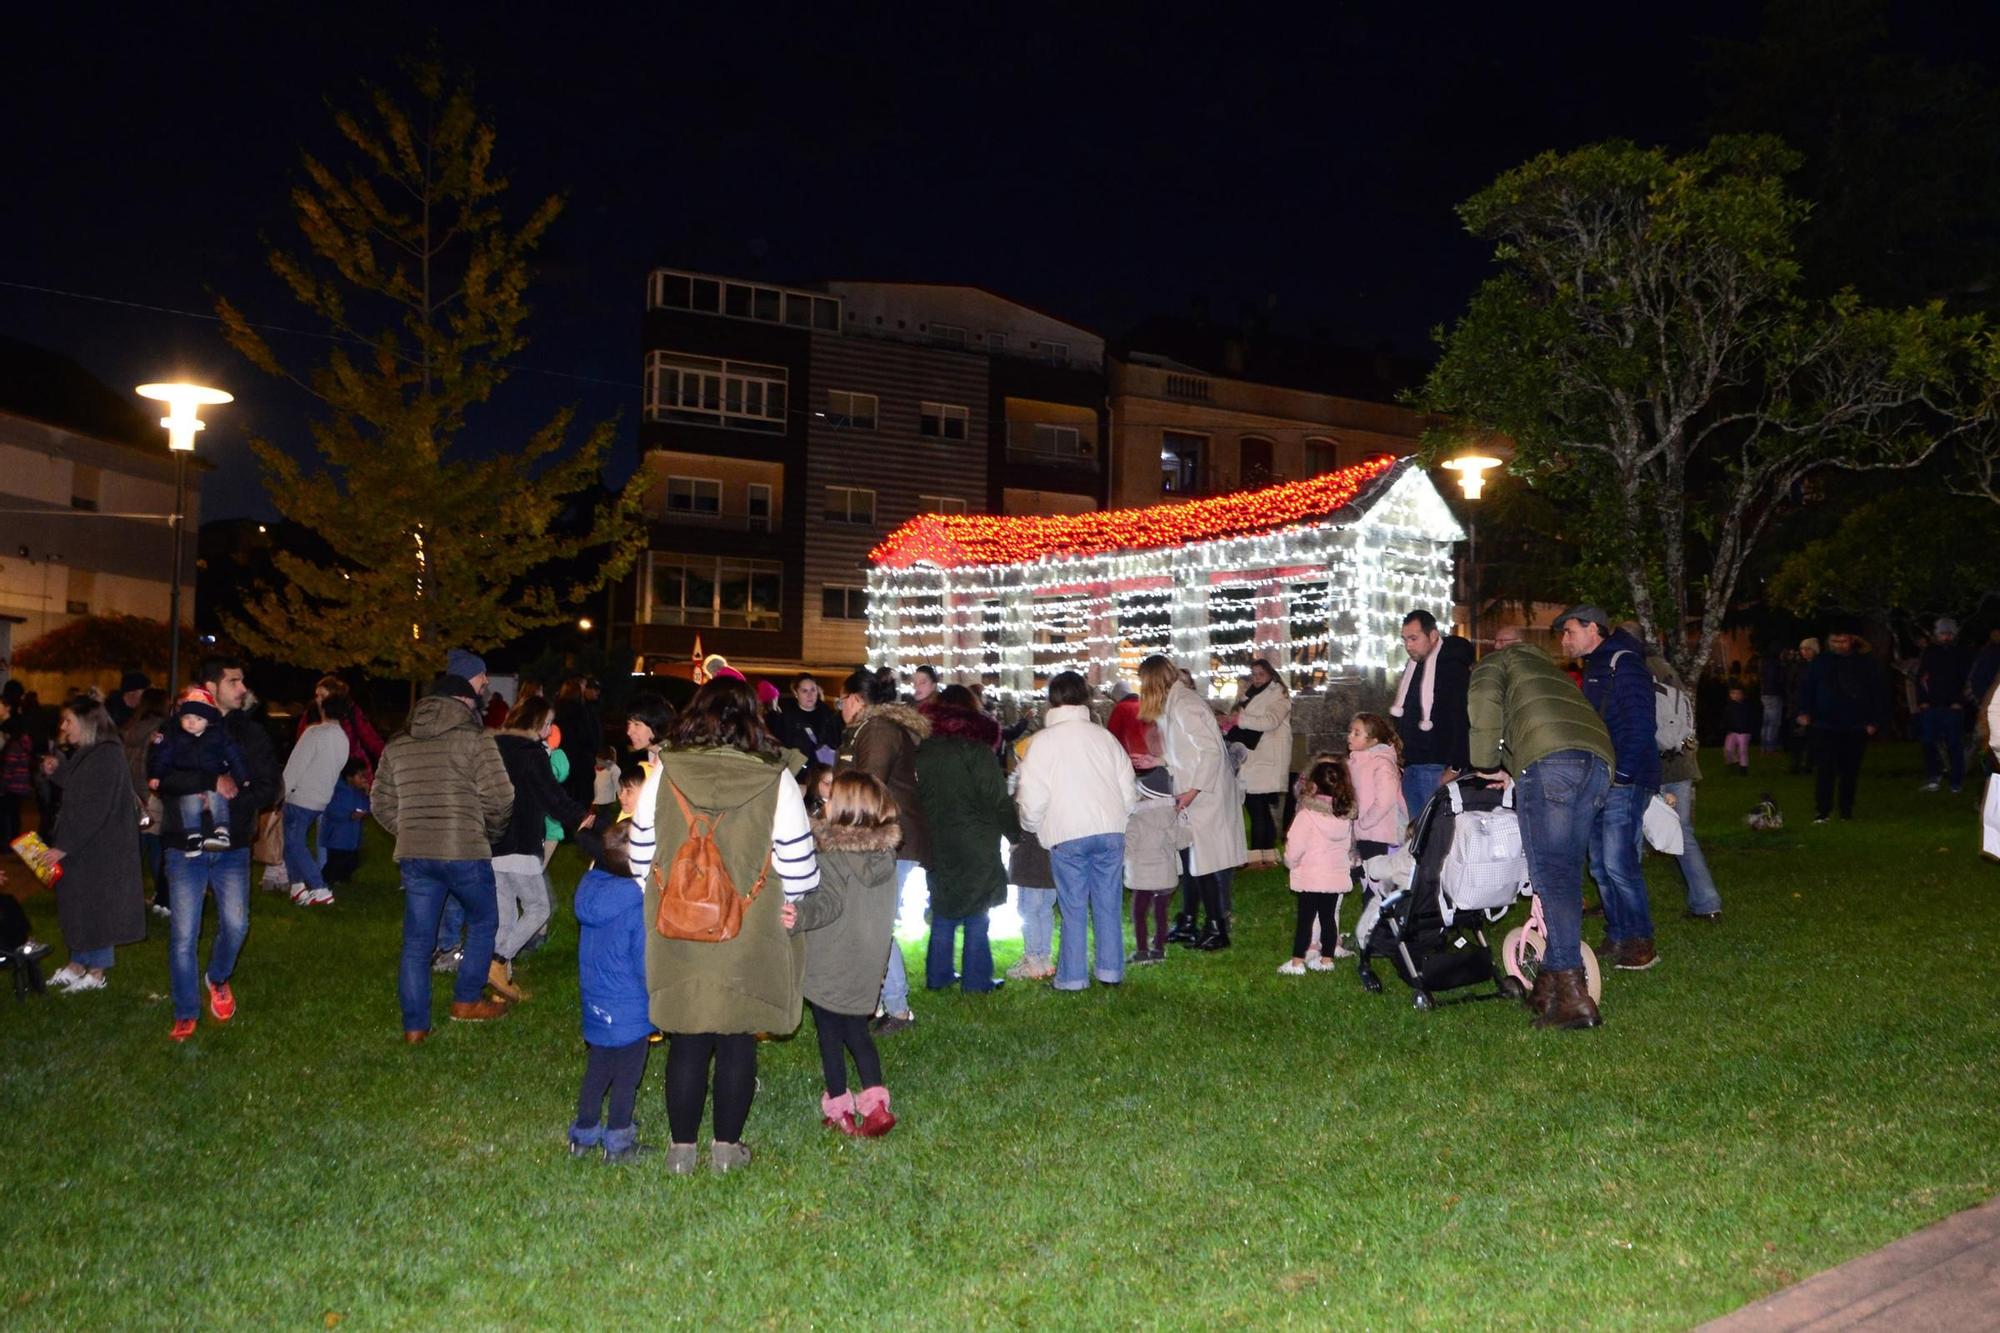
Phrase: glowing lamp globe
x=182 y=400
x=1471 y=470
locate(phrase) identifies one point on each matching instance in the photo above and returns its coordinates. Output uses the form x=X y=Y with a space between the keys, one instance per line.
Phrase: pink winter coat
x=1319 y=848
x=1379 y=813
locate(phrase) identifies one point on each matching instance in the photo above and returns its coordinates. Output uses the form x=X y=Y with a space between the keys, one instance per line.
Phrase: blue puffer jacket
x=1623 y=697
x=611 y=959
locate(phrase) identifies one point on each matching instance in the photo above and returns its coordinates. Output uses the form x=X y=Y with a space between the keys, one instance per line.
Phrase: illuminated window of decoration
x=1060 y=629
x=849 y=504
x=944 y=421
x=709 y=391
x=1309 y=625
x=1232 y=629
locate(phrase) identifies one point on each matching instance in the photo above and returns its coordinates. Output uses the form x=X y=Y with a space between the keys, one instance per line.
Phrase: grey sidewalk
x=1946 y=1276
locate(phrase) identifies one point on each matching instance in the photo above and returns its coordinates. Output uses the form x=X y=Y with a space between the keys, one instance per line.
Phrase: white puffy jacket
x=1077 y=780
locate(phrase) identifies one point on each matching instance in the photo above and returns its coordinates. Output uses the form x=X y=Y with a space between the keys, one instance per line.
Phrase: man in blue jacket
x=1620 y=688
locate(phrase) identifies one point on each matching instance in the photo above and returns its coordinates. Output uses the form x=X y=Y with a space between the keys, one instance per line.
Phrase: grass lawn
x=1208 y=1144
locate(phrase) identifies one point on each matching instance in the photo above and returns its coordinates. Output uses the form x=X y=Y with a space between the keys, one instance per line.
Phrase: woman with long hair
x=1205 y=791
x=100 y=903
x=712 y=998
x=1263 y=713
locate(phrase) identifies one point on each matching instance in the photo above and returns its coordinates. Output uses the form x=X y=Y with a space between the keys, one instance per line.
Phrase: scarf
x=1429 y=694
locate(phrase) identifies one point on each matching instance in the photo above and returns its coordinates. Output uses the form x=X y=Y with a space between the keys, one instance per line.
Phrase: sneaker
x=86 y=981
x=1031 y=969
x=64 y=977
x=446 y=960
x=31 y=949
x=1318 y=965
x=161 y=909
x=891 y=1023
x=183 y=1029
x=221 y=1000
x=1932 y=785
x=217 y=841
x=1342 y=951
x=1312 y=955
x=299 y=895
x=1822 y=819
x=191 y=844
x=1292 y=967
x=1636 y=955
x=319 y=898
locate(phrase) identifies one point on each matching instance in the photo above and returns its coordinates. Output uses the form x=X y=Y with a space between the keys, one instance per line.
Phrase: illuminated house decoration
x=1314 y=575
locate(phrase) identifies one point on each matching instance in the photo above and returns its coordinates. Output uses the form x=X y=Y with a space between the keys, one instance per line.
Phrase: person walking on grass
x=1430 y=707
x=1680 y=773
x=311 y=776
x=1617 y=684
x=1944 y=695
x=851 y=918
x=965 y=801
x=521 y=885
x=881 y=739
x=1846 y=699
x=1076 y=793
x=99 y=900
x=1531 y=727
x=223 y=874
x=713 y=998
x=443 y=794
x=1320 y=854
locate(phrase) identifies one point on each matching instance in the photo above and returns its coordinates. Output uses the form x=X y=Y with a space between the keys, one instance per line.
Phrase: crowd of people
x=750 y=852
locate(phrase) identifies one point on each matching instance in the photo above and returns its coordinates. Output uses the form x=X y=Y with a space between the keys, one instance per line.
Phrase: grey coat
x=850 y=916
x=99 y=899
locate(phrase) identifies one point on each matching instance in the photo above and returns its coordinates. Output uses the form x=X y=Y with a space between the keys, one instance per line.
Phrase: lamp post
x=182 y=422
x=1472 y=470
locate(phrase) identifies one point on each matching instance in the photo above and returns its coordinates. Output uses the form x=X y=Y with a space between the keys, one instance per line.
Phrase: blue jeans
x=1559 y=799
x=978 y=953
x=198 y=807
x=1774 y=722
x=1701 y=895
x=1419 y=782
x=189 y=879
x=451 y=926
x=1038 y=921
x=1617 y=860
x=896 y=981
x=427 y=886
x=94 y=960
x=301 y=867
x=1090 y=884
x=1944 y=729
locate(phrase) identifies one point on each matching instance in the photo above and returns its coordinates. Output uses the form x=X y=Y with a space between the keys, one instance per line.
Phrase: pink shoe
x=838 y=1113
x=873 y=1103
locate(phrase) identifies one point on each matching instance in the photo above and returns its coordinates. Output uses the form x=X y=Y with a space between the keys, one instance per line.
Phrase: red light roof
x=985 y=539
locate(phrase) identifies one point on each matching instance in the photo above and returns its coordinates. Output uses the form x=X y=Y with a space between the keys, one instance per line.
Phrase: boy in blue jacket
x=340 y=827
x=611 y=972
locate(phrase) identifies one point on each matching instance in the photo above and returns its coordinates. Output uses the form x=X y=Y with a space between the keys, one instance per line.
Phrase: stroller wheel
x=1423 y=1002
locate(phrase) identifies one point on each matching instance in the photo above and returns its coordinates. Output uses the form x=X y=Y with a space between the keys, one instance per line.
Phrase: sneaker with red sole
x=183 y=1029
x=221 y=1000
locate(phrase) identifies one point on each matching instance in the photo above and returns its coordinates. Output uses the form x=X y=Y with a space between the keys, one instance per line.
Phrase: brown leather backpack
x=698 y=900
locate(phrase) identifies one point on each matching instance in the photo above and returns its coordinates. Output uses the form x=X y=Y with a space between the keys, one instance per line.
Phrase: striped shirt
x=792 y=853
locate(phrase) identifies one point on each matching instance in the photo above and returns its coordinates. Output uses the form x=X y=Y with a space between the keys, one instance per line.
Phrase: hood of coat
x=1619 y=642
x=602 y=896
x=901 y=714
x=851 y=838
x=520 y=732
x=950 y=722
x=1068 y=713
x=716 y=778
x=435 y=716
x=1322 y=805
x=1375 y=756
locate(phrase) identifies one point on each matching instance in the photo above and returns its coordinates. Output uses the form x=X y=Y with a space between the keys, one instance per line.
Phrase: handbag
x=268 y=847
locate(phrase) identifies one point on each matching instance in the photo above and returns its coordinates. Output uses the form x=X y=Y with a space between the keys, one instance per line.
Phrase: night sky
x=1103 y=167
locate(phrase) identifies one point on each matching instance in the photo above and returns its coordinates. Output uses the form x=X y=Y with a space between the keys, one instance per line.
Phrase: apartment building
x=786 y=430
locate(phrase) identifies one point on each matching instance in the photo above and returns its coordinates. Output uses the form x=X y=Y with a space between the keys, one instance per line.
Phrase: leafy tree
x=1908 y=556
x=1646 y=345
x=437 y=541
x=96 y=643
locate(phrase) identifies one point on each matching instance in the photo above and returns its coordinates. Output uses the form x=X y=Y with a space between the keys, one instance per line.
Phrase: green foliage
x=1645 y=345
x=1907 y=556
x=96 y=643
x=437 y=542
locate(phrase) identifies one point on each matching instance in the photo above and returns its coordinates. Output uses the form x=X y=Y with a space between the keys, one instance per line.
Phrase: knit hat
x=200 y=703
x=1587 y=613
x=767 y=693
x=134 y=680
x=1946 y=625
x=464 y=664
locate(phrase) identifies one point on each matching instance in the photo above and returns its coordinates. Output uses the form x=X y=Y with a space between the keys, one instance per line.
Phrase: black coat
x=262 y=790
x=536 y=794
x=99 y=899
x=1845 y=692
x=582 y=737
x=806 y=731
x=1447 y=741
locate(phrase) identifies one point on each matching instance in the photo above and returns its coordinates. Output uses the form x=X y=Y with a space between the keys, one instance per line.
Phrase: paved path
x=1947 y=1276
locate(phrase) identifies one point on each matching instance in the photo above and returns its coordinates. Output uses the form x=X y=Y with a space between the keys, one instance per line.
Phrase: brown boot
x=477 y=1011
x=1635 y=955
x=1569 y=1004
x=1538 y=998
x=502 y=984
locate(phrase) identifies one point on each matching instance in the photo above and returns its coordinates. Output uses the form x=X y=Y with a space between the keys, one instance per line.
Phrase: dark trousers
x=1263 y=808
x=1839 y=755
x=1204 y=889
x=1321 y=906
x=10 y=817
x=153 y=855
x=689 y=1055
x=341 y=864
x=615 y=1070
x=1154 y=902
x=841 y=1036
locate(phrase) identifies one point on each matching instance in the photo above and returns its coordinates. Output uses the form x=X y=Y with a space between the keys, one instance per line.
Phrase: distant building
x=785 y=430
x=86 y=485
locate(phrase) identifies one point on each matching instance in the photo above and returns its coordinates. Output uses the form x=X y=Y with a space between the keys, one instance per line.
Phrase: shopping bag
x=1990 y=845
x=1663 y=826
x=268 y=847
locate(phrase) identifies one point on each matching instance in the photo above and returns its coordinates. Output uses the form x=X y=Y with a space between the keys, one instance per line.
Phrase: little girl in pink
x=1319 y=852
x=1375 y=762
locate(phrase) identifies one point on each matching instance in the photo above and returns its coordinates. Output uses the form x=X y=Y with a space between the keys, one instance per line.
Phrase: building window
x=1056 y=354
x=843 y=603
x=940 y=504
x=77 y=608
x=1256 y=461
x=742 y=300
x=700 y=496
x=996 y=342
x=1321 y=456
x=944 y=421
x=849 y=504
x=1058 y=441
x=951 y=335
x=713 y=392
x=1182 y=462
x=757 y=506
x=852 y=411
x=717 y=592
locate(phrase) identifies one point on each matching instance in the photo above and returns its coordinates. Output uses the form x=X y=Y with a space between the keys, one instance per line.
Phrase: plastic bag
x=1990 y=844
x=1663 y=826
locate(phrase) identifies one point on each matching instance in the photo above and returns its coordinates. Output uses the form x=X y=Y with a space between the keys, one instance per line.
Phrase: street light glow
x=584 y=624
x=181 y=420
x=1471 y=470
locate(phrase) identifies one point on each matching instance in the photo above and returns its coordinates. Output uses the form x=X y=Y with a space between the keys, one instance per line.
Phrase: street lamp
x=1472 y=470
x=182 y=422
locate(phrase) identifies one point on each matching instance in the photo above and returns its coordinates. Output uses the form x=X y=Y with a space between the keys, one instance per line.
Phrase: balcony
x=1047 y=445
x=723 y=520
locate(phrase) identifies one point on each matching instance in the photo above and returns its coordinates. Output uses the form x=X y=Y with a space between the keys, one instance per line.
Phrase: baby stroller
x=1427 y=910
